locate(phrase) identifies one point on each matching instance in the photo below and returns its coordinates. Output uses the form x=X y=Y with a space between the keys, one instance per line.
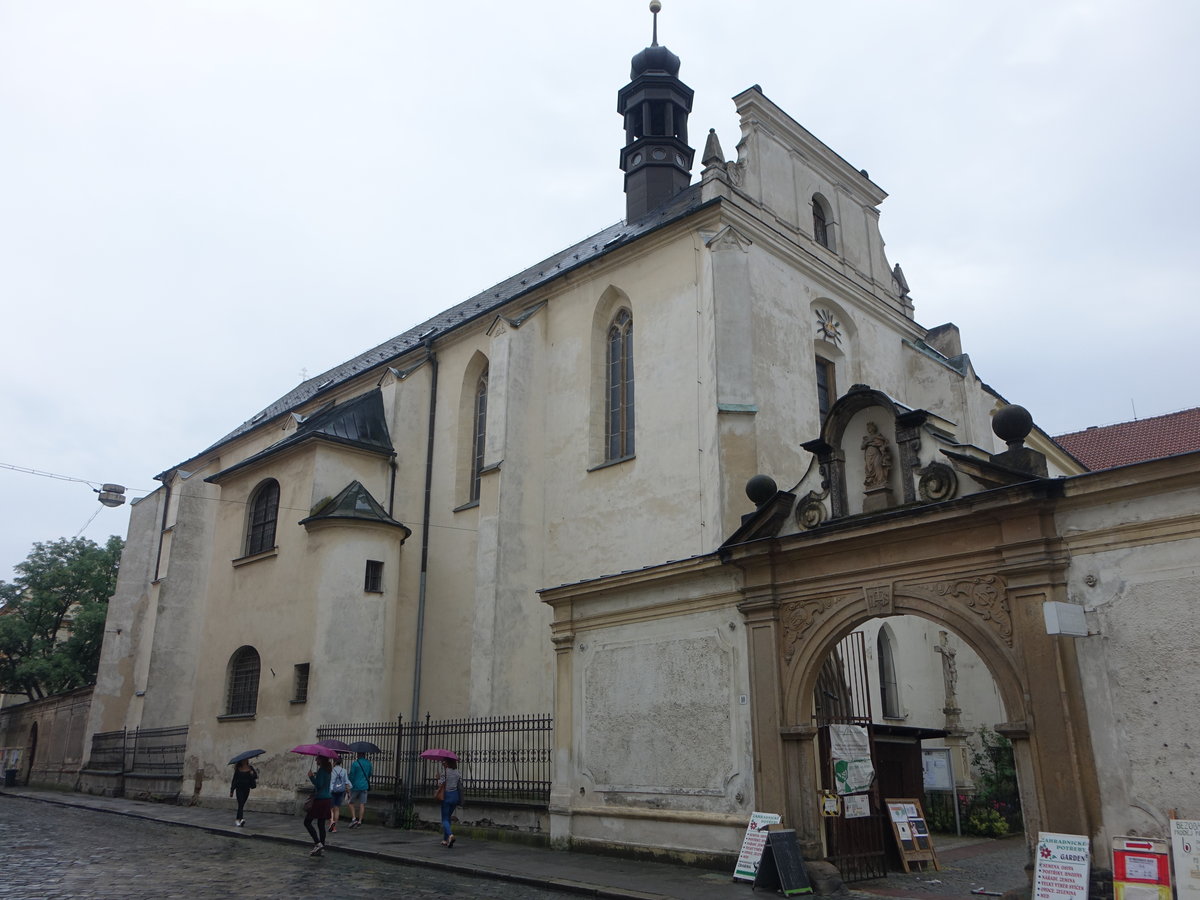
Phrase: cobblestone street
x=50 y=852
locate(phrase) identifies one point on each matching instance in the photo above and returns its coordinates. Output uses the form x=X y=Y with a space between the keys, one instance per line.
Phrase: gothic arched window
x=619 y=384
x=478 y=432
x=264 y=513
x=889 y=688
x=822 y=228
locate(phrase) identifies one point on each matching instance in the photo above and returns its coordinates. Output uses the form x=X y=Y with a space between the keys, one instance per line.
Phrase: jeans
x=243 y=793
x=448 y=803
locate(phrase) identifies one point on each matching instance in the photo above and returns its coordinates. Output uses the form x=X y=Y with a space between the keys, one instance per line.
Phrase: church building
x=536 y=502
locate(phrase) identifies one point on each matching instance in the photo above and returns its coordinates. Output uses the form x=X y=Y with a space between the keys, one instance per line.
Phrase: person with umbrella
x=449 y=789
x=245 y=778
x=360 y=784
x=317 y=808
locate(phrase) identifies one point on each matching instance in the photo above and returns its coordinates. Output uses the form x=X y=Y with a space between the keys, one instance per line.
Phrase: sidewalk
x=575 y=872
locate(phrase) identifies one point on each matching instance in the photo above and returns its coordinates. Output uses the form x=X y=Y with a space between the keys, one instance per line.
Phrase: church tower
x=656 y=158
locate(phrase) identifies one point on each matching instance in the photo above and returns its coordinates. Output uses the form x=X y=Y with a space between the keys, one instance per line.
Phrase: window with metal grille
x=373 y=582
x=300 y=683
x=825 y=386
x=264 y=513
x=241 y=698
x=478 y=432
x=889 y=689
x=821 y=230
x=619 y=382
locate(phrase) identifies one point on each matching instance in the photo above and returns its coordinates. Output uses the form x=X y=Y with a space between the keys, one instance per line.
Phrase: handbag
x=441 y=792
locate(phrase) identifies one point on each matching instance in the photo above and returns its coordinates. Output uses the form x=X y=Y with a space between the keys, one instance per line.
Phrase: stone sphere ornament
x=1012 y=424
x=760 y=489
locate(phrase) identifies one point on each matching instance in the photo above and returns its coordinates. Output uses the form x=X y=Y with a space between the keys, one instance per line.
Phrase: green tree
x=52 y=616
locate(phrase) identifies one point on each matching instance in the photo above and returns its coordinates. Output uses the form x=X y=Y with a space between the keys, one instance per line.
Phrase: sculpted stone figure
x=877 y=457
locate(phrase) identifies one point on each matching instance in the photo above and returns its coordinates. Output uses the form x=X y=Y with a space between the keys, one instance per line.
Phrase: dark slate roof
x=354 y=502
x=485 y=303
x=1103 y=447
x=359 y=422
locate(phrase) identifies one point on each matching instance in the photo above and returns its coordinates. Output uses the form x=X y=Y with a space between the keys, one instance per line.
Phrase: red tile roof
x=1106 y=446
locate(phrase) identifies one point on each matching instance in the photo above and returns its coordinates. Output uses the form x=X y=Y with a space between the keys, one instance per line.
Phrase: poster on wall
x=937 y=772
x=850 y=748
x=1185 y=850
x=1062 y=864
x=857 y=806
x=753 y=844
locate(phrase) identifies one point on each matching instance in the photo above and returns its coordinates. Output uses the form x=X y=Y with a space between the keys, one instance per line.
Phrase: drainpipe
x=425 y=529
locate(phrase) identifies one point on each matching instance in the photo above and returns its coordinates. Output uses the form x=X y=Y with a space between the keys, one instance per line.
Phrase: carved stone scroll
x=797 y=618
x=985 y=595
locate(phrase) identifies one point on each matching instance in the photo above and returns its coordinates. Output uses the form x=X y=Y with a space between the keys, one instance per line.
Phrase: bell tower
x=656 y=158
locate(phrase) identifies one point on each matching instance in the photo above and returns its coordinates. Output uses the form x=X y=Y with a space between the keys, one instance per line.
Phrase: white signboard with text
x=1185 y=850
x=1063 y=862
x=753 y=844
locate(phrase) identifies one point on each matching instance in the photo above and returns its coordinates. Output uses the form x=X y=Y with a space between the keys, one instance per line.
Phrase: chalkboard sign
x=911 y=832
x=782 y=868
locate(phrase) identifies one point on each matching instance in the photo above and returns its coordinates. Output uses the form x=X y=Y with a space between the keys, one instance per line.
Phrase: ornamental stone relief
x=985 y=595
x=938 y=482
x=879 y=599
x=810 y=510
x=797 y=618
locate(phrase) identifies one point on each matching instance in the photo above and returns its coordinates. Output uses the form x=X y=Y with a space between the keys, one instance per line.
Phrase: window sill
x=469 y=505
x=612 y=462
x=246 y=560
x=295 y=702
x=235 y=717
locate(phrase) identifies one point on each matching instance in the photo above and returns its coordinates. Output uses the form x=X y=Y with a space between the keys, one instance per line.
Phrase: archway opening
x=907 y=712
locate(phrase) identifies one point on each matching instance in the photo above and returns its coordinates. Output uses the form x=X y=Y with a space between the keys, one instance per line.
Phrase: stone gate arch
x=804 y=594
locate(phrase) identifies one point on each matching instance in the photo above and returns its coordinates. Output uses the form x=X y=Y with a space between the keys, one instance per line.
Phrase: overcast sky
x=201 y=203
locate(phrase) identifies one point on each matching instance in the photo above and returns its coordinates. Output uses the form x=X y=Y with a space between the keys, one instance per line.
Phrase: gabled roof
x=354 y=502
x=357 y=423
x=485 y=303
x=1106 y=446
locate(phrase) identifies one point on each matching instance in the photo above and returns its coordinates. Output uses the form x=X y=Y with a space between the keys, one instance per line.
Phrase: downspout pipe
x=411 y=773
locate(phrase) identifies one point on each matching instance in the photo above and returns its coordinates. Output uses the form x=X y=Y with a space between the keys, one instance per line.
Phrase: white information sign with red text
x=1063 y=862
x=753 y=844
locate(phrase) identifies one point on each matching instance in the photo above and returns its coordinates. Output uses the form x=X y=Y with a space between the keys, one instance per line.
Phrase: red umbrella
x=315 y=750
x=439 y=754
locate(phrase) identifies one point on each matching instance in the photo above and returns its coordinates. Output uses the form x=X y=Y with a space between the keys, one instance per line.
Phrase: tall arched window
x=889 y=689
x=822 y=232
x=264 y=513
x=478 y=432
x=619 y=383
x=241 y=692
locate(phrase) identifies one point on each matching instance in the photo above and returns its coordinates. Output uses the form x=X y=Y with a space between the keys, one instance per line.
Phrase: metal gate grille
x=842 y=697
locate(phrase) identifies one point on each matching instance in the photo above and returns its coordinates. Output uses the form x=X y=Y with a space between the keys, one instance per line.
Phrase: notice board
x=911 y=832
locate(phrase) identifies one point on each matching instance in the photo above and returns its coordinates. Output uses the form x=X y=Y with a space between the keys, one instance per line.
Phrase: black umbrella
x=363 y=747
x=248 y=754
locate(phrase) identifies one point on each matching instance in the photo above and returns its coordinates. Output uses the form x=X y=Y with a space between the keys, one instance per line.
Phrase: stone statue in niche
x=877 y=458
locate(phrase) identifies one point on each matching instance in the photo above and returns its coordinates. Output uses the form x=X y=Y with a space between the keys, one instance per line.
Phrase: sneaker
x=241 y=823
x=333 y=828
x=354 y=823
x=316 y=850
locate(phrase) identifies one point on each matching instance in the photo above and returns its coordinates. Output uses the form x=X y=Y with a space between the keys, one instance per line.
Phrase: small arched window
x=478 y=432
x=619 y=382
x=822 y=229
x=264 y=513
x=241 y=693
x=889 y=688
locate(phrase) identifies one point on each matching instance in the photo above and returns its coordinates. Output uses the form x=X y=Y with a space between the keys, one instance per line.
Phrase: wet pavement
x=64 y=845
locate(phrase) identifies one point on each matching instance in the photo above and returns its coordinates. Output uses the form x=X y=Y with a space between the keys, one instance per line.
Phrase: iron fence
x=503 y=759
x=108 y=751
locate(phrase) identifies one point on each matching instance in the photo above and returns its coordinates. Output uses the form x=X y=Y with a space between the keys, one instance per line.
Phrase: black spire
x=656 y=159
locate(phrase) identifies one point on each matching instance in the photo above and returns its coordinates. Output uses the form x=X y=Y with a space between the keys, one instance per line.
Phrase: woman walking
x=321 y=801
x=338 y=786
x=450 y=788
x=245 y=777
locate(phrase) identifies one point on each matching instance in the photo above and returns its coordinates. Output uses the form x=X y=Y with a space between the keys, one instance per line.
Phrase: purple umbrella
x=440 y=755
x=335 y=744
x=315 y=750
x=363 y=747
